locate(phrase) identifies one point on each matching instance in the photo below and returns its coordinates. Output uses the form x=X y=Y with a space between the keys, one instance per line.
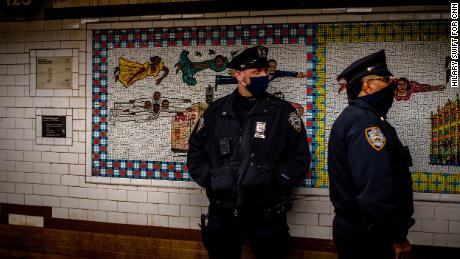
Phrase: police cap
x=373 y=64
x=255 y=57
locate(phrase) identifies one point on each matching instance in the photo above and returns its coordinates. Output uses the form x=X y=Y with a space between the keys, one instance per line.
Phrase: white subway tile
x=310 y=219
x=32 y=156
x=77 y=102
x=59 y=168
x=14 y=133
x=78 y=214
x=33 y=178
x=60 y=190
x=15 y=198
x=326 y=219
x=454 y=227
x=7 y=165
x=79 y=125
x=51 y=201
x=130 y=207
x=7 y=101
x=78 y=192
x=190 y=211
x=62 y=213
x=51 y=179
x=117 y=195
x=22 y=80
x=24 y=166
x=7 y=187
x=99 y=216
x=116 y=217
x=69 y=202
x=28 y=112
x=180 y=199
x=6 y=144
x=71 y=180
x=148 y=208
x=447 y=213
x=60 y=102
x=157 y=197
x=179 y=222
x=108 y=205
x=50 y=157
x=199 y=200
x=7 y=123
x=137 y=219
x=318 y=207
x=15 y=155
x=29 y=134
x=95 y=193
x=16 y=177
x=42 y=168
x=15 y=112
x=137 y=196
x=435 y=226
x=42 y=102
x=7 y=59
x=24 y=188
x=87 y=204
x=41 y=189
x=194 y=223
x=16 y=69
x=68 y=158
x=35 y=221
x=25 y=145
x=169 y=210
x=421 y=238
x=158 y=220
x=33 y=200
x=77 y=147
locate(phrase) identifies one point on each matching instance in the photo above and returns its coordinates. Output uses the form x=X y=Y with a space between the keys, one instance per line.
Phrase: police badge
x=295 y=121
x=375 y=138
x=260 y=129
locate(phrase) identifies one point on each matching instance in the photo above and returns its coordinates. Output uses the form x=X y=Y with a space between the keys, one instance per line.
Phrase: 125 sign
x=18 y=2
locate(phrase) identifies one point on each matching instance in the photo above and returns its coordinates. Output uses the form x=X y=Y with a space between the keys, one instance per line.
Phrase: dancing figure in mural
x=406 y=88
x=128 y=72
x=189 y=68
x=272 y=71
x=147 y=109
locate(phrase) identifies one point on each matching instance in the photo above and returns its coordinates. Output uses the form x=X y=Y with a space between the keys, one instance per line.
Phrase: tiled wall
x=55 y=175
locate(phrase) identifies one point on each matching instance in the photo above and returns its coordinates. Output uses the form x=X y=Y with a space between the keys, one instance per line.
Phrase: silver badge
x=295 y=121
x=260 y=129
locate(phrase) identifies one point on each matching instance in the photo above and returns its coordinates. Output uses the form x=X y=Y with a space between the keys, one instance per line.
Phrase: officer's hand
x=402 y=250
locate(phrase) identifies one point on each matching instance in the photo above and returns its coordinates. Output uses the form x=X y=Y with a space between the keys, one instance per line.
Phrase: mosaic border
x=104 y=40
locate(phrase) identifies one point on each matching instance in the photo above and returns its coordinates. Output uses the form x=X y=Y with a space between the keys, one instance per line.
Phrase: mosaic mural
x=151 y=85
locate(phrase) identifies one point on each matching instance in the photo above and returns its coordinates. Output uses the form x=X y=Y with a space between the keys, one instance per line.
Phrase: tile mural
x=151 y=85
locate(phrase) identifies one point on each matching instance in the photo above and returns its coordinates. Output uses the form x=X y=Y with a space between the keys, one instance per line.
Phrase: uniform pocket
x=223 y=179
x=259 y=179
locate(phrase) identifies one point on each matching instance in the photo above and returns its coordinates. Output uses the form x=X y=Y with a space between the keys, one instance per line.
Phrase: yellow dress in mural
x=130 y=71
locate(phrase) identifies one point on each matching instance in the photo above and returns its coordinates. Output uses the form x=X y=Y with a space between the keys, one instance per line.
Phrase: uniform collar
x=364 y=105
x=260 y=107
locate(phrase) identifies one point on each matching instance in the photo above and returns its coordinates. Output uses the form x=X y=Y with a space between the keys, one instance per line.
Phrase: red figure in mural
x=406 y=88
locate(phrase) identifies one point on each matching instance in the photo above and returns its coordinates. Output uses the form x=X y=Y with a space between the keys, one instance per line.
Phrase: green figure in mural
x=189 y=68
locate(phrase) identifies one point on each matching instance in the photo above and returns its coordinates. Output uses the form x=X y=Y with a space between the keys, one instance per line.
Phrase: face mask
x=258 y=85
x=381 y=100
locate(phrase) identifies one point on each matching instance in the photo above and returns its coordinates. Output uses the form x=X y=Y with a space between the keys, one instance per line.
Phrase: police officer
x=248 y=150
x=370 y=183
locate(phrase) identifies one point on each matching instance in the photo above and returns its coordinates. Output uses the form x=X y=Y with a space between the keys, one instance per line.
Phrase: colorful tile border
x=105 y=40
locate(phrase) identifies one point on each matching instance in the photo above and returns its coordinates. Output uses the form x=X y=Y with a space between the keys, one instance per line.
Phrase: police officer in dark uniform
x=248 y=150
x=370 y=183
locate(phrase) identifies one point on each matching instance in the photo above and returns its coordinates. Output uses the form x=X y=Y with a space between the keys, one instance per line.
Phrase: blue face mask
x=382 y=100
x=258 y=85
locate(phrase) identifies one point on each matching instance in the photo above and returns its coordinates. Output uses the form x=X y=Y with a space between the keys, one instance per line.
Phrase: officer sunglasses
x=382 y=79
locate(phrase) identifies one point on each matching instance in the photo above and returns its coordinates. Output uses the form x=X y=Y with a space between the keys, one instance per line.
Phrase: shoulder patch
x=376 y=138
x=295 y=121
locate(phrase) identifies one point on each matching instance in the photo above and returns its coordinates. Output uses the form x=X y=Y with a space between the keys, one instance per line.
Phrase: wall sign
x=54 y=73
x=54 y=126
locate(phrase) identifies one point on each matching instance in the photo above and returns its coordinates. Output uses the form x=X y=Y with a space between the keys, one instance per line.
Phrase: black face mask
x=382 y=100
